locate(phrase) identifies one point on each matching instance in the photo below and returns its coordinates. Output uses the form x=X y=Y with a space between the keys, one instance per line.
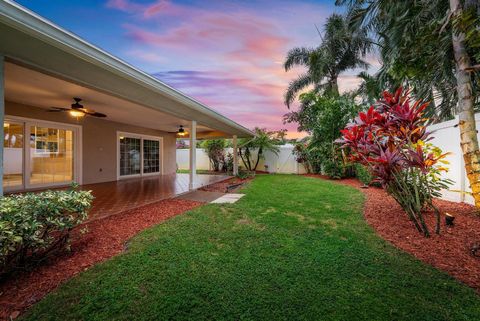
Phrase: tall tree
x=431 y=46
x=341 y=49
x=467 y=125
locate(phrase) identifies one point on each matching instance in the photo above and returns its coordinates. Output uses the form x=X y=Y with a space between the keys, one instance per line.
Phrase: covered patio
x=118 y=196
x=72 y=112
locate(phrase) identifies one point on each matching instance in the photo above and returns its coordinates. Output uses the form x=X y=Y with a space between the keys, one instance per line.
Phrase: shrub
x=215 y=149
x=300 y=153
x=363 y=174
x=333 y=169
x=390 y=139
x=35 y=225
x=228 y=163
x=322 y=116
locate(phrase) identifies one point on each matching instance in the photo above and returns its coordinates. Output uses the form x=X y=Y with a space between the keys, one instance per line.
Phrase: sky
x=226 y=54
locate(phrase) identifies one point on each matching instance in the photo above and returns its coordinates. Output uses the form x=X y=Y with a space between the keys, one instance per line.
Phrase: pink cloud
x=124 y=5
x=234 y=54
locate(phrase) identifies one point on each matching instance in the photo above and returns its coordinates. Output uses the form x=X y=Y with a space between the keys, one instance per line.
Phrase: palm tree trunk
x=334 y=84
x=260 y=152
x=468 y=130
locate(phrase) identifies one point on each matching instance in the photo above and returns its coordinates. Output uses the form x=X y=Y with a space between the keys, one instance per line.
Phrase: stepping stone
x=228 y=198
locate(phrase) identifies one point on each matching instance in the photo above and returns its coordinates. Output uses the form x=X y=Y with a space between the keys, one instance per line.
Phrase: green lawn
x=294 y=248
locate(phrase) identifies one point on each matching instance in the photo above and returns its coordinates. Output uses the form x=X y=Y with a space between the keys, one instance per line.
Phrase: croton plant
x=392 y=140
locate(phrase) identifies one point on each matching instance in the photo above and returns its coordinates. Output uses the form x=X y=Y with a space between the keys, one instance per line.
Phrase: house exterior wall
x=99 y=141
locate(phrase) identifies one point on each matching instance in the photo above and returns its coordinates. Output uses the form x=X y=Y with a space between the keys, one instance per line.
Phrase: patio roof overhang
x=43 y=58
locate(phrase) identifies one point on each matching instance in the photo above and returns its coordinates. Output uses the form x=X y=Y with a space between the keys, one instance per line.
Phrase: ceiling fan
x=77 y=110
x=180 y=132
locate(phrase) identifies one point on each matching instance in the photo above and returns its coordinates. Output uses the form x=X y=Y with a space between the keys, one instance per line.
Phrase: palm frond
x=295 y=86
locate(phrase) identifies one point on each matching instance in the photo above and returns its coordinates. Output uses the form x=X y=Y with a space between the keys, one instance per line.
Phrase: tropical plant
x=228 y=163
x=215 y=149
x=433 y=47
x=300 y=152
x=390 y=139
x=33 y=226
x=340 y=50
x=251 y=150
x=323 y=117
x=363 y=174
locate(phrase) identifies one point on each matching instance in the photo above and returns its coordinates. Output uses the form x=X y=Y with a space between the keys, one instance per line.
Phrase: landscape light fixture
x=449 y=218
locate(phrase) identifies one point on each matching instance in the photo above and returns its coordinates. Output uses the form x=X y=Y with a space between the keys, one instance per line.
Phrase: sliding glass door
x=130 y=156
x=13 y=155
x=51 y=155
x=38 y=154
x=151 y=156
x=138 y=155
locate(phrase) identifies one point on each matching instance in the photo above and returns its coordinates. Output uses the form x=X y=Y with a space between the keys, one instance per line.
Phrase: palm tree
x=341 y=49
x=369 y=89
x=431 y=46
x=262 y=142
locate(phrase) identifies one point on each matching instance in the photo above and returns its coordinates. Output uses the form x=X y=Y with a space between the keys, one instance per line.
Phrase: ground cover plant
x=294 y=248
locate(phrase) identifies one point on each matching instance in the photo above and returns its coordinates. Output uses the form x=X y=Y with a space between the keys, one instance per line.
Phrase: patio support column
x=193 y=154
x=2 y=117
x=235 y=156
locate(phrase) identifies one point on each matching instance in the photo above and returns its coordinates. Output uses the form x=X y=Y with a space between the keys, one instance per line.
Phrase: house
x=73 y=112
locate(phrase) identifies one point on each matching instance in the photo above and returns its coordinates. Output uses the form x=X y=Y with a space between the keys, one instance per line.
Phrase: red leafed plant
x=391 y=139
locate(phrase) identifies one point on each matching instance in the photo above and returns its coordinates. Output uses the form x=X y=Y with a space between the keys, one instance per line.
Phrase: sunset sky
x=226 y=54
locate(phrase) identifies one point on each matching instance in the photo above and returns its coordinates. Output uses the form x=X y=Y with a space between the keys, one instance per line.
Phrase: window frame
x=142 y=137
x=77 y=152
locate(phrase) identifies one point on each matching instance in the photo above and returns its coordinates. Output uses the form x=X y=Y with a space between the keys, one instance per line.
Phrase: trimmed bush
x=35 y=225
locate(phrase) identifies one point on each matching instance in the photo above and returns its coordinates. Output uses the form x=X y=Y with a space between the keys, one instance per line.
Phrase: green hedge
x=34 y=225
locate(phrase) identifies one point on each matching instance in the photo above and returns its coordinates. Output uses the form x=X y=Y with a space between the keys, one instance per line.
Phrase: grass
x=294 y=248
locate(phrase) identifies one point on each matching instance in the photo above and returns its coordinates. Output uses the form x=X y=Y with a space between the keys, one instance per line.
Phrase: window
x=138 y=155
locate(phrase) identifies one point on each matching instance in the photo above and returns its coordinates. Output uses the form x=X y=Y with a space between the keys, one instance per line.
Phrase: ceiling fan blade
x=95 y=114
x=57 y=109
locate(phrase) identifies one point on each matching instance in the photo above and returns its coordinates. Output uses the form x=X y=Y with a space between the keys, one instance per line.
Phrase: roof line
x=31 y=21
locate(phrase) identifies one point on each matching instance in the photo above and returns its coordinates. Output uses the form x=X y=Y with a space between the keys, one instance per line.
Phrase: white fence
x=284 y=162
x=447 y=137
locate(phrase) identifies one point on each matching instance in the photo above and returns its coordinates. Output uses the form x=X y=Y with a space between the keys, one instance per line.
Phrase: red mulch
x=450 y=251
x=104 y=239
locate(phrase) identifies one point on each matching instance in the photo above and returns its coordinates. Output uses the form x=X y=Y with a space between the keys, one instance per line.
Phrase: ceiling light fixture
x=181 y=131
x=76 y=113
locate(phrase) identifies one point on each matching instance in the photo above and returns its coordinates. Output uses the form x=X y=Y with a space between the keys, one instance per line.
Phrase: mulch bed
x=450 y=251
x=104 y=239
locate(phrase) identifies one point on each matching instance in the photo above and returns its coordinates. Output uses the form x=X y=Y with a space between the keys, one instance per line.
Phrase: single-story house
x=73 y=112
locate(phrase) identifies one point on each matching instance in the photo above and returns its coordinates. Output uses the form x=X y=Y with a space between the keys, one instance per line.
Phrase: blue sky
x=227 y=54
